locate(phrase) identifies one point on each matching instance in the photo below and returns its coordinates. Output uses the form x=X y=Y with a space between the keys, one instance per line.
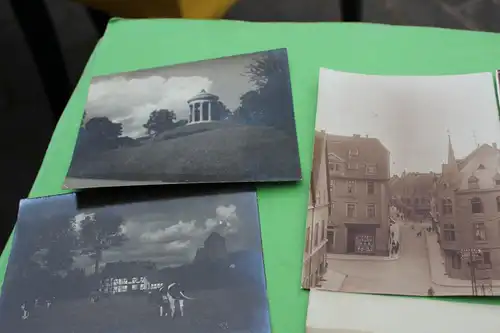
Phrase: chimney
x=495 y=145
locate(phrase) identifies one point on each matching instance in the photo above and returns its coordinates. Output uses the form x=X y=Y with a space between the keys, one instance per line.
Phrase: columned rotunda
x=203 y=107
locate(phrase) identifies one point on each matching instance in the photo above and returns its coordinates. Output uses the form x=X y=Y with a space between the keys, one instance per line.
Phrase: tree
x=99 y=232
x=56 y=244
x=271 y=102
x=160 y=121
x=98 y=133
x=103 y=128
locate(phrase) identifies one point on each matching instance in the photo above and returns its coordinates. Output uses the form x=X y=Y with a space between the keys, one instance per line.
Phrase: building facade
x=412 y=193
x=467 y=208
x=314 y=263
x=359 y=172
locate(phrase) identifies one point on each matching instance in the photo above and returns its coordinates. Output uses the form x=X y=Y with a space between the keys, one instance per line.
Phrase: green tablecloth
x=372 y=49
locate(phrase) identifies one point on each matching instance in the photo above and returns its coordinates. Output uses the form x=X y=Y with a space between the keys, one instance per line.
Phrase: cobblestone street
x=410 y=274
x=407 y=275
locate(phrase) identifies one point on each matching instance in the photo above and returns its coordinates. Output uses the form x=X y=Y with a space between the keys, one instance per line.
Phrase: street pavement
x=408 y=275
x=419 y=267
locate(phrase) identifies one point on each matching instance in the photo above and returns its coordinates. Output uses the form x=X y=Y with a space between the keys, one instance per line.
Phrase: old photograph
x=186 y=264
x=405 y=187
x=340 y=313
x=221 y=120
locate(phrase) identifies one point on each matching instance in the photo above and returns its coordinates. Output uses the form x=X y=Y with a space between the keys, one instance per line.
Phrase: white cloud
x=179 y=230
x=177 y=246
x=76 y=223
x=131 y=101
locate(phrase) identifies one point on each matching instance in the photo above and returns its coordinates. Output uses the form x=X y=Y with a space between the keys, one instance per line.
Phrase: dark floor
x=26 y=129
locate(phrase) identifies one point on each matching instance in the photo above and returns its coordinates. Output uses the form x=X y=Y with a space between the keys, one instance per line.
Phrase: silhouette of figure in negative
x=25 y=315
x=175 y=293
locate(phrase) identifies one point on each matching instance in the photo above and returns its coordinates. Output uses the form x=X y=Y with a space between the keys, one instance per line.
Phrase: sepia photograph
x=340 y=313
x=185 y=264
x=405 y=187
x=223 y=120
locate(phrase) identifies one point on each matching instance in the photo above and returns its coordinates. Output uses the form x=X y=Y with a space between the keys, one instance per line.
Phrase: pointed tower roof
x=451 y=153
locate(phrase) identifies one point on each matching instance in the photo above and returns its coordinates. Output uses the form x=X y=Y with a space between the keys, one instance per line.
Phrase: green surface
x=372 y=49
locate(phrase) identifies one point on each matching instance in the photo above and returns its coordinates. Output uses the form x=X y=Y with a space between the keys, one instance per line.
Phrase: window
x=476 y=205
x=479 y=232
x=353 y=152
x=456 y=261
x=351 y=186
x=487 y=260
x=370 y=187
x=370 y=211
x=497 y=182
x=337 y=167
x=449 y=232
x=473 y=182
x=447 y=206
x=371 y=169
x=135 y=286
x=352 y=166
x=498 y=204
x=316 y=234
x=333 y=185
x=323 y=230
x=351 y=210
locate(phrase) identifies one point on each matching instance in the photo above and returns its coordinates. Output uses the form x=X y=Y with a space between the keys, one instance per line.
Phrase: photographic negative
x=166 y=264
x=340 y=313
x=222 y=120
x=405 y=190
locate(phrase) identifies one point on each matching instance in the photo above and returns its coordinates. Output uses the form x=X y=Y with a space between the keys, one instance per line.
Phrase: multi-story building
x=467 y=208
x=359 y=171
x=314 y=263
x=412 y=192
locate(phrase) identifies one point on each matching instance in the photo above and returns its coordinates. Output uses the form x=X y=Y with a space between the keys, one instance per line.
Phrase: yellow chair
x=193 y=9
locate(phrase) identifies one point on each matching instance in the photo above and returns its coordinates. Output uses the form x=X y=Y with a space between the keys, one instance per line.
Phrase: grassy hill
x=200 y=153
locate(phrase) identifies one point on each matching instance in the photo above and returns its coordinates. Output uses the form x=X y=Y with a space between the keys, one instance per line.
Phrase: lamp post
x=472 y=254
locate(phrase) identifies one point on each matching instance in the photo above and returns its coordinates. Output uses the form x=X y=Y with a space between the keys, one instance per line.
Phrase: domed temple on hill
x=204 y=107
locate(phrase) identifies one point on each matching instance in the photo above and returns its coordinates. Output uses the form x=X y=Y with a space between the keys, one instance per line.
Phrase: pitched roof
x=124 y=269
x=418 y=183
x=370 y=151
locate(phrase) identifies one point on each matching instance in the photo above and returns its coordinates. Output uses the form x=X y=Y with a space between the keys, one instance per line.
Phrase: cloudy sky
x=167 y=232
x=170 y=232
x=130 y=97
x=413 y=115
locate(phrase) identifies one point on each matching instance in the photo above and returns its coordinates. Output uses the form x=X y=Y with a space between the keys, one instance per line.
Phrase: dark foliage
x=271 y=103
x=162 y=120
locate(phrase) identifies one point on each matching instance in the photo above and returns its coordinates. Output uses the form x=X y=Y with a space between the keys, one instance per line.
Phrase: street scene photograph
x=186 y=264
x=405 y=186
x=223 y=120
x=329 y=312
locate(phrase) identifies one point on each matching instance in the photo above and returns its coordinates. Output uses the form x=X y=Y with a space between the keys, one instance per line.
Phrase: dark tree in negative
x=160 y=121
x=100 y=232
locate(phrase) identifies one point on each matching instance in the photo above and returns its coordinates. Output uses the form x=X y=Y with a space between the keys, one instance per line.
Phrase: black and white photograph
x=405 y=190
x=340 y=313
x=185 y=264
x=222 y=120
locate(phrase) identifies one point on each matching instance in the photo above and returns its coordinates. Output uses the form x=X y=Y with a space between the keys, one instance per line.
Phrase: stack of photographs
x=140 y=259
x=405 y=191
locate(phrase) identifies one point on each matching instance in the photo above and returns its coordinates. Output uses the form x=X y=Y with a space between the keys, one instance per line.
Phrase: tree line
x=269 y=104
